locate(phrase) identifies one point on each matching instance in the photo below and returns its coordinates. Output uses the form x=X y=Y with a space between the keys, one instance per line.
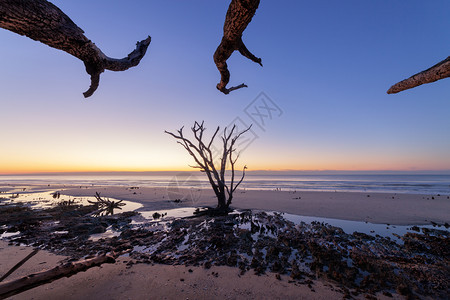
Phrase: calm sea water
x=416 y=184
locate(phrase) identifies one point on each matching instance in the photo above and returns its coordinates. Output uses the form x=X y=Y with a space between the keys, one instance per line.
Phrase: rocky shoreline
x=415 y=265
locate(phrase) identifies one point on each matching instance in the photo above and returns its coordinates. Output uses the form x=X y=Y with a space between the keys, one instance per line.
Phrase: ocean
x=390 y=183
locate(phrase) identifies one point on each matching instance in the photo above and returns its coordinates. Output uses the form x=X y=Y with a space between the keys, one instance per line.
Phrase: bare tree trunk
x=222 y=204
x=239 y=15
x=42 y=21
x=438 y=71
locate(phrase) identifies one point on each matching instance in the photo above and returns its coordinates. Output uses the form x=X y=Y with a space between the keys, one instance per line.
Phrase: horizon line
x=332 y=172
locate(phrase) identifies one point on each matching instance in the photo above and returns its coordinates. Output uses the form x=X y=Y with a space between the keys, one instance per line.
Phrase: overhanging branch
x=239 y=15
x=439 y=71
x=42 y=21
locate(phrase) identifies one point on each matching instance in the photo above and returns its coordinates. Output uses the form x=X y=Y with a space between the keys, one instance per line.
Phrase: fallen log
x=14 y=287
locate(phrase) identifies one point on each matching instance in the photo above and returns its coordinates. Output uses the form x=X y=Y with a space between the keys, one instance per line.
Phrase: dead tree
x=203 y=155
x=239 y=15
x=42 y=21
x=439 y=71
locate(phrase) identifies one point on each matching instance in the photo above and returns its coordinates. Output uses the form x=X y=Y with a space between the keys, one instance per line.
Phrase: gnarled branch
x=439 y=71
x=42 y=21
x=239 y=15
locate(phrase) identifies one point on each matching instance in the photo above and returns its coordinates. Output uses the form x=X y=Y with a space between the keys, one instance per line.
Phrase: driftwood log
x=42 y=21
x=239 y=15
x=20 y=285
x=439 y=71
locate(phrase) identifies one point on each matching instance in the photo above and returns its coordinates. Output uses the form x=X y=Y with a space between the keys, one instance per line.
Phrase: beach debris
x=203 y=154
x=19 y=264
x=14 y=287
x=105 y=206
x=261 y=242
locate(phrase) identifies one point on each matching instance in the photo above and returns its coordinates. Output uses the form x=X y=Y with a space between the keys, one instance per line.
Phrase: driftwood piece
x=105 y=206
x=19 y=264
x=42 y=21
x=439 y=71
x=239 y=15
x=20 y=285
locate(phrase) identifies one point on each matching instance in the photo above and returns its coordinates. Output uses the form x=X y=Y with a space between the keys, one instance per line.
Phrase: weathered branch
x=42 y=21
x=439 y=71
x=239 y=15
x=19 y=264
x=20 y=285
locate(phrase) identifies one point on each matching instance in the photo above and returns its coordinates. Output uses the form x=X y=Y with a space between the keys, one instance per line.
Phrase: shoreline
x=377 y=208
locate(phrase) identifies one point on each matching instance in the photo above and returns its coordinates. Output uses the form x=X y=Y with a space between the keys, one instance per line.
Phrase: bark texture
x=438 y=71
x=42 y=21
x=239 y=15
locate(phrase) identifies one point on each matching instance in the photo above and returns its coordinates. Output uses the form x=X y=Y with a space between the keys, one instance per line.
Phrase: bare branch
x=239 y=15
x=42 y=21
x=242 y=178
x=439 y=71
x=213 y=137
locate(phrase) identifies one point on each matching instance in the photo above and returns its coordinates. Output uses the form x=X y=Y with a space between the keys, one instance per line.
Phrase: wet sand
x=385 y=208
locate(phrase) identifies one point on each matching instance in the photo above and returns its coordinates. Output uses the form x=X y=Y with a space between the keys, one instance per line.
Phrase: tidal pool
x=49 y=199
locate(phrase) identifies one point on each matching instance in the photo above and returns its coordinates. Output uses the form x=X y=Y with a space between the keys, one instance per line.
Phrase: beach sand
x=385 y=208
x=142 y=281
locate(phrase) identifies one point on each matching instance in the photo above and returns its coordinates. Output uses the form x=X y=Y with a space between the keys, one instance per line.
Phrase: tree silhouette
x=204 y=157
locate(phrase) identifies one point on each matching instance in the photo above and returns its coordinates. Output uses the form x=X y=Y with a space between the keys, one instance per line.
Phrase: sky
x=321 y=94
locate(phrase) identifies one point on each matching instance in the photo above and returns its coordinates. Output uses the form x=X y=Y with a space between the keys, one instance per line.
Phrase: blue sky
x=327 y=66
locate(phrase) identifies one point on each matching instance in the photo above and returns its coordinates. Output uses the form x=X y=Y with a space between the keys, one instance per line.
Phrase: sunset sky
x=327 y=67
